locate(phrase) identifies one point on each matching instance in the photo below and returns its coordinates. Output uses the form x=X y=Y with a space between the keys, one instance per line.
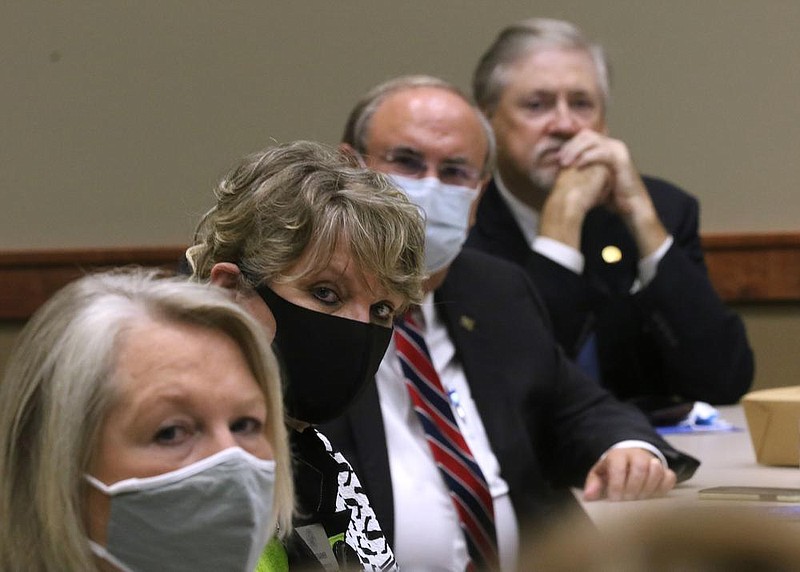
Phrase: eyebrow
x=456 y=160
x=179 y=397
x=551 y=92
x=411 y=151
x=405 y=150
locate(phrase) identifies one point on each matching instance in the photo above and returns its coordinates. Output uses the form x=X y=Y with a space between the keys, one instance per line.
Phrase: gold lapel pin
x=611 y=254
x=467 y=323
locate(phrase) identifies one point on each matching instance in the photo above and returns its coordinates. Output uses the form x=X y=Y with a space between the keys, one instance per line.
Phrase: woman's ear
x=350 y=151
x=225 y=275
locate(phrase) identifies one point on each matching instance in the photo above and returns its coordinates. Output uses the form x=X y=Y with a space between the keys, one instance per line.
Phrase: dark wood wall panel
x=762 y=267
x=755 y=267
x=28 y=278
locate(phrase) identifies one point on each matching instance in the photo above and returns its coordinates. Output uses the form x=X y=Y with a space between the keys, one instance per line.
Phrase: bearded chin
x=544 y=178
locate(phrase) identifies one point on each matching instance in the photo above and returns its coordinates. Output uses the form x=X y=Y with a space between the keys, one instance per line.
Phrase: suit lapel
x=602 y=230
x=496 y=231
x=473 y=345
x=369 y=438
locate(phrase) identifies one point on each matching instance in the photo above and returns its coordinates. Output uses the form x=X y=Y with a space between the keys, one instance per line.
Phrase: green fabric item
x=273 y=558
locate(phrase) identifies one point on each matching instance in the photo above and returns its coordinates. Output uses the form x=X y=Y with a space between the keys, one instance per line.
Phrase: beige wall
x=774 y=332
x=117 y=118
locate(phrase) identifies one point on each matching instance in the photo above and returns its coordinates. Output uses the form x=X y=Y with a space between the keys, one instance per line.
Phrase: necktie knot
x=413 y=316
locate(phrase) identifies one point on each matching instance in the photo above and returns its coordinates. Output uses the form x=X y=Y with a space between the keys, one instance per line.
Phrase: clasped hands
x=628 y=474
x=598 y=170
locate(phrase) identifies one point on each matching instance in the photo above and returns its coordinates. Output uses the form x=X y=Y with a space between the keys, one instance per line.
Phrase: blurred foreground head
x=127 y=374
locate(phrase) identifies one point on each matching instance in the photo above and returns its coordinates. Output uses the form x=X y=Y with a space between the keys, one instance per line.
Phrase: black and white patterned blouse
x=329 y=495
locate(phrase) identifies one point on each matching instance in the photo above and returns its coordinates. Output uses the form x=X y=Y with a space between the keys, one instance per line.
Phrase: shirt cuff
x=636 y=444
x=559 y=253
x=649 y=265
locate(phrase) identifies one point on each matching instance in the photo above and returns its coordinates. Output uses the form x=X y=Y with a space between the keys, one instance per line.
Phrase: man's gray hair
x=358 y=122
x=520 y=39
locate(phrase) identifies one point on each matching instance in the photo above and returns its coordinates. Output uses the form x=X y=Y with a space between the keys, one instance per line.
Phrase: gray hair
x=518 y=40
x=358 y=122
x=59 y=385
x=304 y=197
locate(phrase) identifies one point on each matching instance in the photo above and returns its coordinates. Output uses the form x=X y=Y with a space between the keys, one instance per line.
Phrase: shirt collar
x=527 y=218
x=426 y=308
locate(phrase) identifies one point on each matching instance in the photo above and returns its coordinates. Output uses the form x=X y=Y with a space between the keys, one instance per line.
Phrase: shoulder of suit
x=474 y=260
x=661 y=188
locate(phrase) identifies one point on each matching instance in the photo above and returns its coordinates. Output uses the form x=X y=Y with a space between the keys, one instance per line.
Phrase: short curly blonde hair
x=294 y=198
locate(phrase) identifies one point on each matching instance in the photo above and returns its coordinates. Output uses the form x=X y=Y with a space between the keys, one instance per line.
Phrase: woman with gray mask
x=141 y=428
x=325 y=254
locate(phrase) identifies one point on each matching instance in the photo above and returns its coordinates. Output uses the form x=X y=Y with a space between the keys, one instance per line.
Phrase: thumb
x=594 y=486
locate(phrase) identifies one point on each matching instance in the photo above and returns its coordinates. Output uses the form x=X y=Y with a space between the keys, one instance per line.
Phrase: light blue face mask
x=214 y=514
x=446 y=209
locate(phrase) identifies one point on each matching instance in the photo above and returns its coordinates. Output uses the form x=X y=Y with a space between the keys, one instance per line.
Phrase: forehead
x=432 y=120
x=156 y=353
x=146 y=345
x=337 y=266
x=553 y=70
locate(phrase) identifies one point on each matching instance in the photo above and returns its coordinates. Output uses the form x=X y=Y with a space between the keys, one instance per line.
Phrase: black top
x=673 y=338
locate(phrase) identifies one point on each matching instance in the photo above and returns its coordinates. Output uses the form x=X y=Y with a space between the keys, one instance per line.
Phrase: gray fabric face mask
x=214 y=514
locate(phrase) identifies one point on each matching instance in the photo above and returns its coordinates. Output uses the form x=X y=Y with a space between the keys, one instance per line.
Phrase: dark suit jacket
x=672 y=338
x=546 y=422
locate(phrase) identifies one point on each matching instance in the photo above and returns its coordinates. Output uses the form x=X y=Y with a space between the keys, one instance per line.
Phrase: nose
x=563 y=121
x=430 y=171
x=220 y=438
x=360 y=312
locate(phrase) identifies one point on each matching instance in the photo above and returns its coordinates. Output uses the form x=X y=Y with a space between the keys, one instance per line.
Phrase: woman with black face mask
x=325 y=254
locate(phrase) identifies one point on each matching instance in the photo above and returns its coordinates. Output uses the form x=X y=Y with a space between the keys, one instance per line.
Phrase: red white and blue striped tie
x=468 y=489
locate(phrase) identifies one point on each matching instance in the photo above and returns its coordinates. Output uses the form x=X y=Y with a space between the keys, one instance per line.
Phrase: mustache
x=554 y=148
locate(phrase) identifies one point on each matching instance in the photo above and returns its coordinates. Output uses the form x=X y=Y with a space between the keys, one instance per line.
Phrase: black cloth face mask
x=326 y=360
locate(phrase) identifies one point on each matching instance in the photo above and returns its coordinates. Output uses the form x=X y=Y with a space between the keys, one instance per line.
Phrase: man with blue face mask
x=522 y=420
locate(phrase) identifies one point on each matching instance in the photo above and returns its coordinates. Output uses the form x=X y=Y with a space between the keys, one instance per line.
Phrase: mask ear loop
x=103 y=554
x=98 y=484
x=258 y=286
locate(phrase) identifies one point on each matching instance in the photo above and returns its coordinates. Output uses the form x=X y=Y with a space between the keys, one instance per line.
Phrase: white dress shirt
x=427 y=531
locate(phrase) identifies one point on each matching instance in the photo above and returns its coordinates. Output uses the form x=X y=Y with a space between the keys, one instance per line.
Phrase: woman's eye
x=326 y=295
x=383 y=312
x=247 y=425
x=171 y=435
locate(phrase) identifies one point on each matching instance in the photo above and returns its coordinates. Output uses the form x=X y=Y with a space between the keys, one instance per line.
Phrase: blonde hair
x=300 y=197
x=59 y=386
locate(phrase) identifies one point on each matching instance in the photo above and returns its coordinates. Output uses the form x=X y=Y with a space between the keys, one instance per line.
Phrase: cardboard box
x=773 y=418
